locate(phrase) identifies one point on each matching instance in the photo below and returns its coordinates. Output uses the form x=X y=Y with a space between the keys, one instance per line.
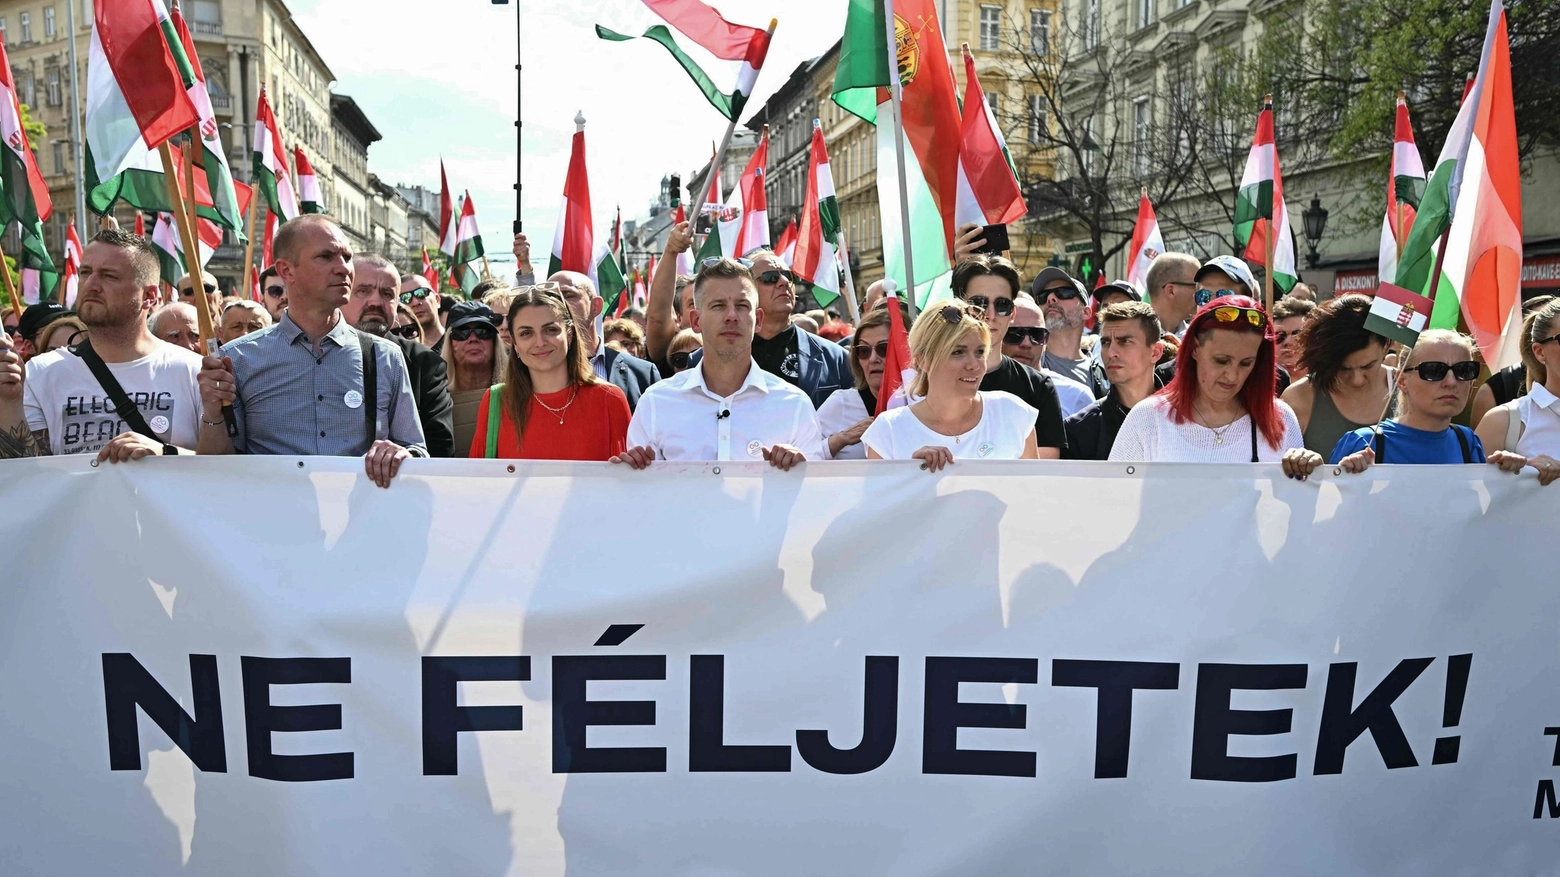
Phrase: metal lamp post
x=1314 y=219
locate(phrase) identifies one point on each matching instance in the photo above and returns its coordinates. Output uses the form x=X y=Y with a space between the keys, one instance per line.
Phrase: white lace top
x=1149 y=435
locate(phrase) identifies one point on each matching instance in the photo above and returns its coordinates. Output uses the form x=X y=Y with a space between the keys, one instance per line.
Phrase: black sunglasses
x=1037 y=334
x=864 y=351
x=1285 y=336
x=1064 y=293
x=482 y=331
x=187 y=291
x=681 y=359
x=712 y=261
x=1435 y=372
x=770 y=278
x=419 y=292
x=1003 y=305
x=410 y=331
x=955 y=314
x=1554 y=337
x=276 y=291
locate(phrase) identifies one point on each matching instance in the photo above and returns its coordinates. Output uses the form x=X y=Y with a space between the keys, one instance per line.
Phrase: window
x=1142 y=111
x=59 y=158
x=990 y=28
x=27 y=28
x=5 y=38
x=29 y=86
x=52 y=81
x=208 y=17
x=48 y=21
x=1040 y=31
x=994 y=102
x=86 y=14
x=1037 y=127
x=1091 y=24
x=1143 y=12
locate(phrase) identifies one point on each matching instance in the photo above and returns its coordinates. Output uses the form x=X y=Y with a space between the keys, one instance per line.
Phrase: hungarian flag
x=785 y=248
x=1405 y=187
x=448 y=218
x=1147 y=243
x=931 y=114
x=72 y=264
x=1259 y=206
x=744 y=224
x=724 y=40
x=270 y=163
x=817 y=237
x=431 y=275
x=685 y=258
x=988 y=192
x=140 y=224
x=1475 y=197
x=170 y=247
x=574 y=242
x=267 y=239
x=308 y=184
x=1398 y=314
x=898 y=371
x=136 y=91
x=468 y=241
x=24 y=197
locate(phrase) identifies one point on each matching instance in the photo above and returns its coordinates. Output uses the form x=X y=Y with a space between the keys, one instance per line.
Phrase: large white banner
x=269 y=666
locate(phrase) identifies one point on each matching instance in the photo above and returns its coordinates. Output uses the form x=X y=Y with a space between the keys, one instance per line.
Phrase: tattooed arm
x=16 y=440
x=19 y=441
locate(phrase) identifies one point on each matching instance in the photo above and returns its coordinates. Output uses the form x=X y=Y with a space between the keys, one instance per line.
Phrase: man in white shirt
x=726 y=408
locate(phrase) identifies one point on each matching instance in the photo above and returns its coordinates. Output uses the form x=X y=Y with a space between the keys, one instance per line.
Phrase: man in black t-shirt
x=992 y=283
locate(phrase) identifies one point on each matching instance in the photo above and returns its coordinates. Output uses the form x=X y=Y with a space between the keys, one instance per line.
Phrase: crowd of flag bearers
x=956 y=356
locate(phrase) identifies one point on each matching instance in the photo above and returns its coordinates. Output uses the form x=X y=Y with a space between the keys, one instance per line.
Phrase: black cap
x=1118 y=287
x=1050 y=275
x=37 y=316
x=464 y=312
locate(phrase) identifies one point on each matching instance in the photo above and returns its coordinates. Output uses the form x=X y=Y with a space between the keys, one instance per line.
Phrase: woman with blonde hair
x=954 y=419
x=474 y=359
x=551 y=405
x=61 y=332
x=1530 y=425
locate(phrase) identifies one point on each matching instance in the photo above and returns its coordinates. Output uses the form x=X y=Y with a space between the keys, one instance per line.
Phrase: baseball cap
x=1051 y=275
x=464 y=312
x=37 y=316
x=1232 y=268
x=1121 y=287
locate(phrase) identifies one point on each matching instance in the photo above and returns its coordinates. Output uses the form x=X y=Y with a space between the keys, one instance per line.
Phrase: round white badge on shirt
x=985 y=449
x=755 y=449
x=354 y=399
x=159 y=424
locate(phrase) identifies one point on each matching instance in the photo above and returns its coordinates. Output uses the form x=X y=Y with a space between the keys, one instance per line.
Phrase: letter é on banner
x=127 y=685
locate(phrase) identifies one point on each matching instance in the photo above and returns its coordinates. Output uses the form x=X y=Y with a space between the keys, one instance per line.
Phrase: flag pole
x=851 y=308
x=186 y=229
x=896 y=91
x=487 y=273
x=720 y=158
x=1272 y=231
x=10 y=287
x=249 y=247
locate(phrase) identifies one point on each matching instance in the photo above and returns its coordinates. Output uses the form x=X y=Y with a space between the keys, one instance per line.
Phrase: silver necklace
x=558 y=411
x=1218 y=431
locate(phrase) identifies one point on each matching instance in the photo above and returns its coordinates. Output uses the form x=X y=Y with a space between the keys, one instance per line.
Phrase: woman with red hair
x=1221 y=406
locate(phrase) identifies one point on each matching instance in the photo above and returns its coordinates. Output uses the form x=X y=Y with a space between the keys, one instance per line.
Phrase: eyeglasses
x=483 y=333
x=864 y=352
x=275 y=291
x=1285 y=336
x=1554 y=337
x=411 y=331
x=1435 y=372
x=955 y=314
x=188 y=291
x=770 y=278
x=419 y=292
x=712 y=261
x=681 y=359
x=1205 y=295
x=1038 y=334
x=1232 y=314
x=1063 y=293
x=1003 y=305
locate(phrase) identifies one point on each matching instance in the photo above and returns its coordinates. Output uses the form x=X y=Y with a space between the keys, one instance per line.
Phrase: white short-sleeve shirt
x=1005 y=424
x=62 y=396
x=1150 y=435
x=680 y=418
x=841 y=411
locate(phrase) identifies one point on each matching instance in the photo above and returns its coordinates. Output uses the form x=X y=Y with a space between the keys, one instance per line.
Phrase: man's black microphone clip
x=725 y=413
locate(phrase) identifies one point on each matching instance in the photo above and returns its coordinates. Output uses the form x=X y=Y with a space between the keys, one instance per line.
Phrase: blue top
x=1404 y=444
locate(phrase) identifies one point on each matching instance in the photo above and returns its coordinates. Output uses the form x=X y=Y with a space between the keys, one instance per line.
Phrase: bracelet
x=205 y=422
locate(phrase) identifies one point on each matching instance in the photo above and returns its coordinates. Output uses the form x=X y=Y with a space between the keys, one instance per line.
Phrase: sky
x=439 y=80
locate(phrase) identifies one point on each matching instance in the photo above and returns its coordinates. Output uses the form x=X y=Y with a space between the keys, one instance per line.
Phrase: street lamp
x=1314 y=218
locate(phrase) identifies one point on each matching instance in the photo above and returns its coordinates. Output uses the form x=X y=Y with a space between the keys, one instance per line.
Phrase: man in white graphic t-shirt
x=55 y=404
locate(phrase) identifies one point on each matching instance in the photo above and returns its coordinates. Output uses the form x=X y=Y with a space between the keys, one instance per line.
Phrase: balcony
x=207 y=28
x=221 y=102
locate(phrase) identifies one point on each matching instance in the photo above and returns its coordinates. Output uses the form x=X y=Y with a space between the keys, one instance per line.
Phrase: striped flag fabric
x=431 y=275
x=898 y=368
x=1405 y=188
x=575 y=247
x=685 y=258
x=170 y=248
x=448 y=218
x=72 y=265
x=308 y=184
x=988 y=192
x=1259 y=207
x=1147 y=242
x=24 y=196
x=705 y=26
x=744 y=224
x=270 y=163
x=817 y=236
x=136 y=92
x=785 y=247
x=468 y=241
x=140 y=224
x=1398 y=314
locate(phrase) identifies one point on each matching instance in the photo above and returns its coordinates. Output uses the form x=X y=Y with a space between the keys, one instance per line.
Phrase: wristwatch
x=170 y=451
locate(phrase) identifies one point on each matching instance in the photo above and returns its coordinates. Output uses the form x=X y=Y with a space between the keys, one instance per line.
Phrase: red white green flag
x=137 y=96
x=817 y=236
x=988 y=192
x=1405 y=188
x=898 y=369
x=449 y=220
x=785 y=247
x=427 y=270
x=72 y=264
x=744 y=224
x=1147 y=243
x=468 y=241
x=1259 y=208
x=706 y=27
x=1398 y=314
x=270 y=163
x=575 y=247
x=308 y=184
x=24 y=197
x=170 y=246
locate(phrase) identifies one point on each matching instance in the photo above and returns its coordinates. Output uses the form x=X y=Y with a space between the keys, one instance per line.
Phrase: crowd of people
x=345 y=356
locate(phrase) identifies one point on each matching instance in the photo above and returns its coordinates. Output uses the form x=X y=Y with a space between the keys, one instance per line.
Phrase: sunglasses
x=1232 y=314
x=1554 y=337
x=955 y=314
x=187 y=291
x=1003 y=305
x=275 y=291
x=1285 y=336
x=411 y=331
x=1037 y=334
x=681 y=359
x=1435 y=372
x=770 y=278
x=1063 y=293
x=712 y=261
x=864 y=352
x=1207 y=295
x=419 y=292
x=482 y=332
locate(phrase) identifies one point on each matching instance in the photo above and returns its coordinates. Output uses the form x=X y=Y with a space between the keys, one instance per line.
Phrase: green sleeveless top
x=1328 y=424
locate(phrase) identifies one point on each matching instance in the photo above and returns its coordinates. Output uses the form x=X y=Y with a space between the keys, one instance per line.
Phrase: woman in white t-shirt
x=1221 y=406
x=1530 y=424
x=954 y=420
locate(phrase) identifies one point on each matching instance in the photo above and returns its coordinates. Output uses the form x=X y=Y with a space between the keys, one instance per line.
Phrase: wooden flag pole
x=487 y=273
x=249 y=247
x=10 y=287
x=186 y=230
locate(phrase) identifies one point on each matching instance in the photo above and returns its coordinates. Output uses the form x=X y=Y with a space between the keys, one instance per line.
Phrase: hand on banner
x=1548 y=468
x=216 y=386
x=522 y=252
x=12 y=372
x=679 y=239
x=933 y=457
x=1508 y=461
x=1358 y=461
x=635 y=458
x=383 y=461
x=1299 y=463
x=966 y=241
x=129 y=446
x=848 y=437
x=783 y=457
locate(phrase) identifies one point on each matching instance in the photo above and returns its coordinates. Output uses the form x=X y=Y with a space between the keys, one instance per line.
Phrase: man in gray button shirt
x=300 y=386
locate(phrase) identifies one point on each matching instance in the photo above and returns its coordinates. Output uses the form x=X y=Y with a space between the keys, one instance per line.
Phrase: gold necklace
x=1218 y=431
x=558 y=411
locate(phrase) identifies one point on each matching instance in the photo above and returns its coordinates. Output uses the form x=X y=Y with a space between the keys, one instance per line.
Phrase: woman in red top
x=552 y=407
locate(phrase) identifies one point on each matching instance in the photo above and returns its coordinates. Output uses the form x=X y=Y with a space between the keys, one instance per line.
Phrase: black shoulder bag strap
x=370 y=385
x=123 y=407
x=1380 y=442
x=1253 y=440
x=1462 y=440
